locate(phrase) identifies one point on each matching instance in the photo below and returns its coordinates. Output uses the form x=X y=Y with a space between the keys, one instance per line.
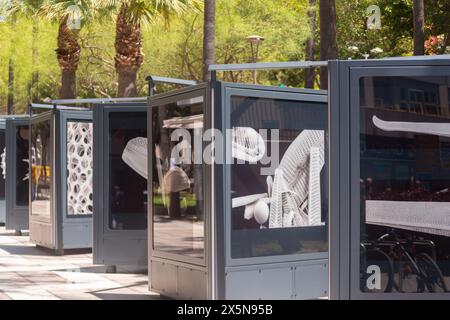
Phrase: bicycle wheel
x=430 y=273
x=378 y=258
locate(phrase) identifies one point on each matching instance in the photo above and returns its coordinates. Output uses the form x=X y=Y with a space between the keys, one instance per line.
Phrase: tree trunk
x=209 y=37
x=68 y=84
x=328 y=37
x=10 y=103
x=127 y=83
x=33 y=90
x=419 y=31
x=68 y=55
x=129 y=56
x=310 y=73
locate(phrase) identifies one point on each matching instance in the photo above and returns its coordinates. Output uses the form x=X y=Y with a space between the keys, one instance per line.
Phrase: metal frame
x=228 y=90
x=16 y=216
x=268 y=65
x=180 y=261
x=152 y=80
x=225 y=264
x=3 y=202
x=344 y=170
x=132 y=243
x=60 y=231
x=218 y=263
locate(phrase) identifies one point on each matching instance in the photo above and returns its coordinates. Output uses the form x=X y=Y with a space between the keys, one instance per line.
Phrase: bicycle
x=410 y=263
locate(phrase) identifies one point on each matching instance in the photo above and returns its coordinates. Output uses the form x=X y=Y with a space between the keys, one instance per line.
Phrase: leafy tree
x=128 y=42
x=437 y=29
x=71 y=16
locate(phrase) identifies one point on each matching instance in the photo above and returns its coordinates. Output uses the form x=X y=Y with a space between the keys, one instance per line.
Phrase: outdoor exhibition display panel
x=238 y=179
x=2 y=168
x=61 y=166
x=120 y=184
x=16 y=171
x=390 y=232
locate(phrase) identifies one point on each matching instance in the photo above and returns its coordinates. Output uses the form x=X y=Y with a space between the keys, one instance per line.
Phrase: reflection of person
x=118 y=198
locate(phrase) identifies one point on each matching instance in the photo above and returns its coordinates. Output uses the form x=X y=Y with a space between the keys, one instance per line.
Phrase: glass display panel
x=278 y=177
x=405 y=184
x=41 y=175
x=22 y=165
x=2 y=164
x=127 y=170
x=178 y=218
x=79 y=168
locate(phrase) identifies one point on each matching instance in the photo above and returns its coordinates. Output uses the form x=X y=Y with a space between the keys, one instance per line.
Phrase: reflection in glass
x=41 y=169
x=127 y=180
x=3 y=164
x=79 y=168
x=405 y=184
x=178 y=220
x=22 y=166
x=278 y=179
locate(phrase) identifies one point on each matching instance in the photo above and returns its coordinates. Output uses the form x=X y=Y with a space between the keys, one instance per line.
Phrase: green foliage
x=175 y=49
x=394 y=37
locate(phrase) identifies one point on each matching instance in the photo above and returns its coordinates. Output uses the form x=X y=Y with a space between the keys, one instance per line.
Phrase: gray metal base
x=288 y=281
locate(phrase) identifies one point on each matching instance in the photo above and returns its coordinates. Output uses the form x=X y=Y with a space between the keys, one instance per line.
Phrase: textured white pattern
x=79 y=168
x=316 y=163
x=294 y=193
x=3 y=163
x=420 y=216
x=289 y=201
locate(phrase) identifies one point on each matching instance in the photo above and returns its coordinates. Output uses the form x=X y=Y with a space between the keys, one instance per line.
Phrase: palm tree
x=328 y=37
x=68 y=50
x=419 y=20
x=209 y=37
x=128 y=45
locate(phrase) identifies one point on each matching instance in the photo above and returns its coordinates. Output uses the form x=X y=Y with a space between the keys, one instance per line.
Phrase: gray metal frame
x=112 y=247
x=180 y=262
x=345 y=166
x=3 y=202
x=228 y=90
x=271 y=264
x=60 y=231
x=170 y=271
x=16 y=216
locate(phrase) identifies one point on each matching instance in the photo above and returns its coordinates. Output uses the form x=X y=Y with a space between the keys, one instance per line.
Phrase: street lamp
x=255 y=41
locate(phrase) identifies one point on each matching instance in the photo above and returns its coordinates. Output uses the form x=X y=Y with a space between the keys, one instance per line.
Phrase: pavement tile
x=29 y=272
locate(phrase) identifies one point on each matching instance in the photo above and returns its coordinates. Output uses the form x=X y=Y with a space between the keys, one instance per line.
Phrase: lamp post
x=255 y=41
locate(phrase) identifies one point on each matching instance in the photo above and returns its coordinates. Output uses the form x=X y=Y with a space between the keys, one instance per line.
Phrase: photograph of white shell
x=79 y=168
x=247 y=145
x=135 y=155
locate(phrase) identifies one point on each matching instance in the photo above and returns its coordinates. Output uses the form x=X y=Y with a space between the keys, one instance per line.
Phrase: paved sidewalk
x=30 y=272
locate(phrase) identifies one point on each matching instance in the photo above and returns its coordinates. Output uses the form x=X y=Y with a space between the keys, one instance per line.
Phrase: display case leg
x=111 y=269
x=59 y=252
x=18 y=233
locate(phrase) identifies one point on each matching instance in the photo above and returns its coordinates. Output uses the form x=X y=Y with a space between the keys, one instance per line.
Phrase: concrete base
x=111 y=269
